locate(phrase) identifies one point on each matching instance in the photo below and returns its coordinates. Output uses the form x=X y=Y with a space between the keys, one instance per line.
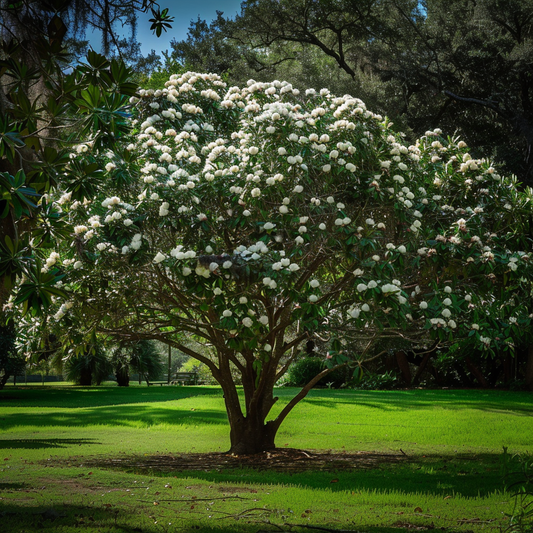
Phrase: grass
x=54 y=442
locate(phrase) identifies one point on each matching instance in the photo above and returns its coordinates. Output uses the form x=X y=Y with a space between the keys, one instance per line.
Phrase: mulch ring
x=282 y=460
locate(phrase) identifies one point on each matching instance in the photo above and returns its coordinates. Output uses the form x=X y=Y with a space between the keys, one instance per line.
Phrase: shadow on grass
x=468 y=476
x=35 y=444
x=116 y=416
x=485 y=400
x=123 y=519
x=13 y=486
x=74 y=397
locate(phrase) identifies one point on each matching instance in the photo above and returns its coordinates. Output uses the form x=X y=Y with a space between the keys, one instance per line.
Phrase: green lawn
x=56 y=444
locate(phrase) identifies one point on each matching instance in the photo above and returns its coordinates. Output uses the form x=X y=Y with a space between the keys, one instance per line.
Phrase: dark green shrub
x=303 y=371
x=375 y=381
x=90 y=368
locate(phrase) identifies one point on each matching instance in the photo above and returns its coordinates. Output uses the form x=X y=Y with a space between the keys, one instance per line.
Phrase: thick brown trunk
x=249 y=436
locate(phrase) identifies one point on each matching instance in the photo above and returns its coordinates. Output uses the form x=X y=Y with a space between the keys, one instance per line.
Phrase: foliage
x=304 y=370
x=520 y=484
x=12 y=362
x=375 y=381
x=145 y=359
x=462 y=65
x=204 y=374
x=89 y=368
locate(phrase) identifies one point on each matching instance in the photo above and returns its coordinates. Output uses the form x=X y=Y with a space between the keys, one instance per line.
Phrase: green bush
x=204 y=374
x=376 y=381
x=304 y=370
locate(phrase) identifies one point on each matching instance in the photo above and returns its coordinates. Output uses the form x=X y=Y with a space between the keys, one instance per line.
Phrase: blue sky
x=183 y=12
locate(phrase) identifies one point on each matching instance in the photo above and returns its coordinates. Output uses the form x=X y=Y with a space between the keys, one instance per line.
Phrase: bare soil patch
x=282 y=460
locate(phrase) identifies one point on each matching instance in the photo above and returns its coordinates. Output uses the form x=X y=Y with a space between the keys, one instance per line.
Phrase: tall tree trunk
x=403 y=364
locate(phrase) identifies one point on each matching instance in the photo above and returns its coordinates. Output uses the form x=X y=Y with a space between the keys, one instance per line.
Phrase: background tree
x=44 y=104
x=255 y=218
x=463 y=65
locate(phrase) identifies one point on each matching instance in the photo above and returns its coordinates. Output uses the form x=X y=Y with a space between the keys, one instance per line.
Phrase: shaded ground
x=281 y=460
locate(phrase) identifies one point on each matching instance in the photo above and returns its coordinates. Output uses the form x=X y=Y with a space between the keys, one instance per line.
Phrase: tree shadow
x=493 y=401
x=116 y=416
x=75 y=397
x=35 y=444
x=468 y=475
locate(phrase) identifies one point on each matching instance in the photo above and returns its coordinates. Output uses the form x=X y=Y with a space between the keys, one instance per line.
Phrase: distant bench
x=185 y=378
x=180 y=378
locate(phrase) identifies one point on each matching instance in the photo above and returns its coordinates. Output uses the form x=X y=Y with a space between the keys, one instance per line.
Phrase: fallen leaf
x=418 y=510
x=334 y=480
x=156 y=503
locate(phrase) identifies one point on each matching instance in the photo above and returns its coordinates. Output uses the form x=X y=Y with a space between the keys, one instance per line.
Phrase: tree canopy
x=256 y=218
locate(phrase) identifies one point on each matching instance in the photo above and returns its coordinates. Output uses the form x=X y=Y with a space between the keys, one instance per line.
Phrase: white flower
x=446 y=313
x=267 y=347
x=402 y=249
x=158 y=258
x=313 y=298
x=256 y=192
x=423 y=305
x=314 y=283
x=293 y=267
x=365 y=308
x=247 y=322
x=78 y=265
x=448 y=289
x=369 y=222
x=217 y=291
x=227 y=313
x=263 y=319
x=361 y=287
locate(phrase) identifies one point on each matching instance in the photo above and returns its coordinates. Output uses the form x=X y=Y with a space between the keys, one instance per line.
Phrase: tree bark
x=403 y=364
x=476 y=372
x=251 y=435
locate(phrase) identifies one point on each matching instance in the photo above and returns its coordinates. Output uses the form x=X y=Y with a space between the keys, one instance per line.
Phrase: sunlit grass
x=53 y=436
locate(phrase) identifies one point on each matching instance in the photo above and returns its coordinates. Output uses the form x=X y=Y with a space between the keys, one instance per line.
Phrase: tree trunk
x=123 y=377
x=529 y=368
x=251 y=435
x=403 y=364
x=477 y=373
x=86 y=377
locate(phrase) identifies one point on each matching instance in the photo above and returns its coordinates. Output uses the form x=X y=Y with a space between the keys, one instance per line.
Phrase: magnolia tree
x=252 y=219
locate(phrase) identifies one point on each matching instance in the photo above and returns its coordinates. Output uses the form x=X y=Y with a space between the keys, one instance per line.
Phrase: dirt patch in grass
x=282 y=460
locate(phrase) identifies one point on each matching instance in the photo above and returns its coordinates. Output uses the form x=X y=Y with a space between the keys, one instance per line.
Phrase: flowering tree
x=252 y=219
